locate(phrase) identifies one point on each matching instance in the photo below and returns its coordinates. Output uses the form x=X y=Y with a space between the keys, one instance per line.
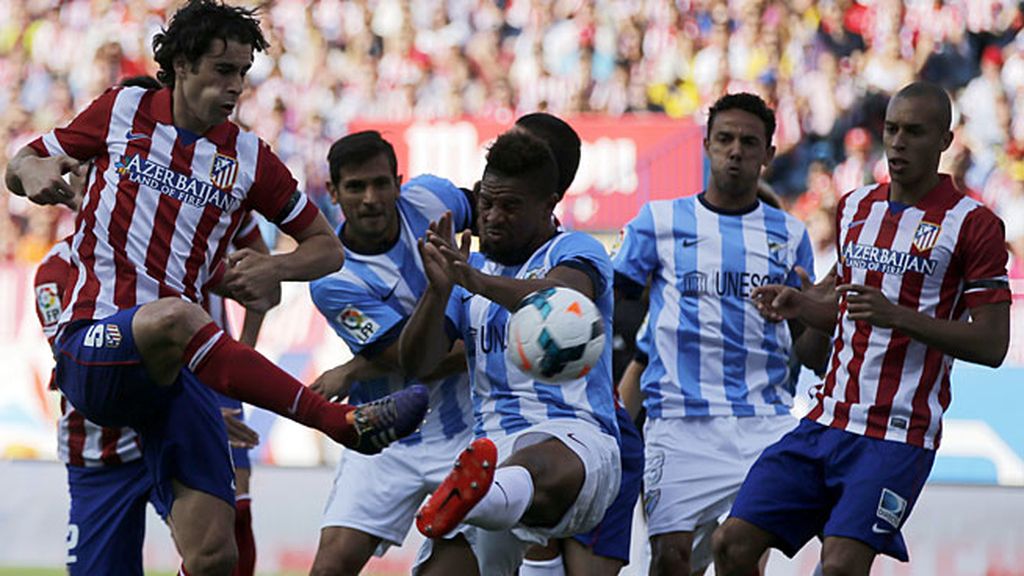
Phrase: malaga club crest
x=224 y=172
x=926 y=235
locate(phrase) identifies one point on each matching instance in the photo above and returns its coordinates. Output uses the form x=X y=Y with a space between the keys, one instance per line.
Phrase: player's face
x=207 y=91
x=738 y=150
x=368 y=196
x=914 y=139
x=513 y=218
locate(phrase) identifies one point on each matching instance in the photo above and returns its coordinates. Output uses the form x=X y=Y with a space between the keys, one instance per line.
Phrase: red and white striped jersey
x=160 y=206
x=79 y=441
x=941 y=257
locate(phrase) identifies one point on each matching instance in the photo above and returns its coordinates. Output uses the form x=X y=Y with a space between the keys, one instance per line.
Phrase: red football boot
x=462 y=489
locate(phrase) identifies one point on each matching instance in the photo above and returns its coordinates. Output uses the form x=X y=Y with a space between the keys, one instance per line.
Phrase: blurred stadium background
x=441 y=78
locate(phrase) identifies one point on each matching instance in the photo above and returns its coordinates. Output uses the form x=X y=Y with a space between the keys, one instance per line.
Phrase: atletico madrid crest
x=224 y=172
x=926 y=236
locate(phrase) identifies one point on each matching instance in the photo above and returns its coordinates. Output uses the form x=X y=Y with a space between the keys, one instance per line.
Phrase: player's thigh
x=343 y=551
x=162 y=330
x=558 y=475
x=785 y=493
x=692 y=471
x=101 y=372
x=846 y=556
x=379 y=495
x=107 y=519
x=878 y=483
x=187 y=442
x=582 y=561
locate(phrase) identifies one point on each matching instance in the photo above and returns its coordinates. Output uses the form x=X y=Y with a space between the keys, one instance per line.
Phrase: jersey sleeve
x=643 y=340
x=982 y=252
x=804 y=259
x=582 y=251
x=455 y=313
x=637 y=254
x=49 y=284
x=355 y=314
x=276 y=196
x=85 y=137
x=433 y=196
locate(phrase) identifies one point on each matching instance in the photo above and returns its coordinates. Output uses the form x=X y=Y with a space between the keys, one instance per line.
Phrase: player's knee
x=669 y=557
x=169 y=321
x=335 y=566
x=728 y=546
x=839 y=565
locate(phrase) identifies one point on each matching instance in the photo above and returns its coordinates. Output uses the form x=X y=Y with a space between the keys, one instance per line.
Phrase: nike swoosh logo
x=129 y=136
x=690 y=242
x=877 y=530
x=465 y=298
x=856 y=223
x=390 y=293
x=573 y=437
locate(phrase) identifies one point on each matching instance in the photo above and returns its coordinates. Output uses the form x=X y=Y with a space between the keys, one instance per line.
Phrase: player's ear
x=769 y=156
x=333 y=191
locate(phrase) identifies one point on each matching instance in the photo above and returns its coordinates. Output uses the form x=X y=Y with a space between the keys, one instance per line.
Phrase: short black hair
x=357 y=148
x=520 y=154
x=934 y=93
x=562 y=139
x=747 y=102
x=141 y=81
x=196 y=25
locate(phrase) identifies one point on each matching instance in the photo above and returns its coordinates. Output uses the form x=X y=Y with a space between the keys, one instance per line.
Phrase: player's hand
x=869 y=304
x=251 y=279
x=334 y=383
x=435 y=265
x=777 y=302
x=456 y=256
x=41 y=180
x=239 y=435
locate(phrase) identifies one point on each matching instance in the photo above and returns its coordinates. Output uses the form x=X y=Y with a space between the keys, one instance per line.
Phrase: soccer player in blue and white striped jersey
x=557 y=444
x=717 y=388
x=366 y=303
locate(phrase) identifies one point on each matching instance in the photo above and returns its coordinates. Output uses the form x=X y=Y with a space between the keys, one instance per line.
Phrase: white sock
x=552 y=567
x=506 y=502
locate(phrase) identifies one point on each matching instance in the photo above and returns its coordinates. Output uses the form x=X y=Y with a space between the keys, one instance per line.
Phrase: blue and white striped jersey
x=505 y=399
x=712 y=354
x=368 y=301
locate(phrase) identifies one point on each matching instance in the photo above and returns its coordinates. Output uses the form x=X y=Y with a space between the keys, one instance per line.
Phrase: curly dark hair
x=561 y=138
x=198 y=23
x=520 y=154
x=747 y=102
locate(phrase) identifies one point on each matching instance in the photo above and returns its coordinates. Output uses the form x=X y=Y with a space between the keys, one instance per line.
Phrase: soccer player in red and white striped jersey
x=172 y=179
x=921 y=280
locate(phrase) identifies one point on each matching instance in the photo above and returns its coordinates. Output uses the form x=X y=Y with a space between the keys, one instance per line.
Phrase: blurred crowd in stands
x=827 y=66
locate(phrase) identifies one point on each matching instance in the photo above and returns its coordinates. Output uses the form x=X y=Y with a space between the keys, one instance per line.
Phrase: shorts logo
x=653 y=468
x=651 y=498
x=926 y=235
x=891 y=507
x=224 y=172
x=102 y=335
x=357 y=324
x=48 y=301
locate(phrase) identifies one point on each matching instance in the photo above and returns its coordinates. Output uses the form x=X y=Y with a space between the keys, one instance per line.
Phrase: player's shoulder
x=872 y=192
x=337 y=286
x=576 y=240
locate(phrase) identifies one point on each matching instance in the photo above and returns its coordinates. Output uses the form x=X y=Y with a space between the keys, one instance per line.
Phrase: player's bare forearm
x=813 y=349
x=318 y=253
x=424 y=342
x=453 y=363
x=629 y=388
x=982 y=340
x=509 y=292
x=251 y=327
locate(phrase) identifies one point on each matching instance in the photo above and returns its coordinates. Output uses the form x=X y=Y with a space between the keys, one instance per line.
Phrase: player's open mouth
x=897 y=163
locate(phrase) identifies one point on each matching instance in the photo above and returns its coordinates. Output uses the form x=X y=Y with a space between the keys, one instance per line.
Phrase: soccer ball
x=555 y=335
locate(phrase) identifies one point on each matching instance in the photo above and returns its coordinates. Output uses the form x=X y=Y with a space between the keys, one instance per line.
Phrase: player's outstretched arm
x=629 y=388
x=424 y=343
x=983 y=340
x=41 y=179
